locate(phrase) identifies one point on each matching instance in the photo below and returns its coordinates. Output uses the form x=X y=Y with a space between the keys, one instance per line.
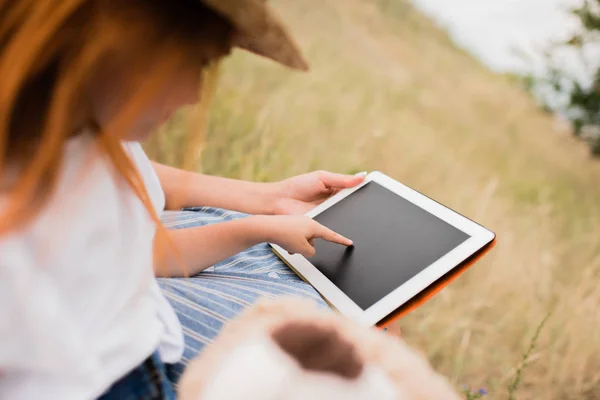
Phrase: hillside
x=388 y=91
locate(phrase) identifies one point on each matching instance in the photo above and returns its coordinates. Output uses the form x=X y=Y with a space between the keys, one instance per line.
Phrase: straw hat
x=260 y=30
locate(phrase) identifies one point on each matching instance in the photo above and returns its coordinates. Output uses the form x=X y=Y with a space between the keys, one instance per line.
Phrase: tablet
x=403 y=243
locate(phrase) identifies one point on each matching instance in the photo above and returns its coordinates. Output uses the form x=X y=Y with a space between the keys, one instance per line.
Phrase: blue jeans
x=207 y=301
x=151 y=380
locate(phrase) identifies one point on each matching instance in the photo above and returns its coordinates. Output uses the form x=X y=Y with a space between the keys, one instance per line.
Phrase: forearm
x=185 y=189
x=201 y=247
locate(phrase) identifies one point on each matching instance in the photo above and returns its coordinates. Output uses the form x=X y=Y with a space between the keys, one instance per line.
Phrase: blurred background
x=490 y=107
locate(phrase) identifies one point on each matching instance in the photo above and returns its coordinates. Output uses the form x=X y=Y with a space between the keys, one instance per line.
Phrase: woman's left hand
x=300 y=194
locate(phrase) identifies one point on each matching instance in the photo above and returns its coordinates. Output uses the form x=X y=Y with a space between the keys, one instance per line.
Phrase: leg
x=208 y=300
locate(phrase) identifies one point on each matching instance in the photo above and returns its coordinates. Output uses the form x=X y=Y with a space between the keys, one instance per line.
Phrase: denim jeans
x=151 y=380
x=207 y=301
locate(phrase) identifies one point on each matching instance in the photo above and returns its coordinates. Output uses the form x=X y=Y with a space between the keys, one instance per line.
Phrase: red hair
x=48 y=52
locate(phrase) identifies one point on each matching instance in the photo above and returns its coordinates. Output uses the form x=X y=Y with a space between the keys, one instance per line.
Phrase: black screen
x=394 y=240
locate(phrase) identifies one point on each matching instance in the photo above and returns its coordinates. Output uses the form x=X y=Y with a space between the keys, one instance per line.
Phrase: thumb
x=340 y=181
x=308 y=250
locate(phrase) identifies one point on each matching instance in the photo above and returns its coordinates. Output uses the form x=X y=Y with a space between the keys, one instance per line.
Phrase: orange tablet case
x=430 y=291
x=435 y=287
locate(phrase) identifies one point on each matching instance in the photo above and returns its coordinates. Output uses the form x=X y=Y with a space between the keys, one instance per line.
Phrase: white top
x=79 y=304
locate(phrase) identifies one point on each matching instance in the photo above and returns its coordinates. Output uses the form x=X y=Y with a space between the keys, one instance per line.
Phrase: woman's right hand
x=297 y=234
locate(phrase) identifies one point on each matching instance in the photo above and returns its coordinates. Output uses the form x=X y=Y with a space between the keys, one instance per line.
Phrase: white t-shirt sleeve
x=172 y=341
x=48 y=342
x=144 y=167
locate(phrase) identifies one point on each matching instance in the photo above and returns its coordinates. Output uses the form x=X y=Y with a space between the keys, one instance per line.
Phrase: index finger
x=322 y=232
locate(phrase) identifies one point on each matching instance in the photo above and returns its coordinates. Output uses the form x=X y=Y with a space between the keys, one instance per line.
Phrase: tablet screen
x=394 y=240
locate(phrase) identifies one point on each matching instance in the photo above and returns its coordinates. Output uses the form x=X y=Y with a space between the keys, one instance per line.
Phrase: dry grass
x=388 y=91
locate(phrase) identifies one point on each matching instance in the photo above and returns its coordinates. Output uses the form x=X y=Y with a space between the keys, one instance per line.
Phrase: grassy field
x=389 y=91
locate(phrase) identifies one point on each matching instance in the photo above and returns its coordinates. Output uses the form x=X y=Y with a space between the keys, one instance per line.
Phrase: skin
x=279 y=206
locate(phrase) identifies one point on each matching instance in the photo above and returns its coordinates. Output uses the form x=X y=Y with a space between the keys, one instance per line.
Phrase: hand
x=297 y=234
x=300 y=194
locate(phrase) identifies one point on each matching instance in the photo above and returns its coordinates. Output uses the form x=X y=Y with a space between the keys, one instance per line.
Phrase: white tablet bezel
x=479 y=238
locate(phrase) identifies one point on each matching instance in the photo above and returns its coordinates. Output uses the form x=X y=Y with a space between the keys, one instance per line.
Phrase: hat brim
x=260 y=30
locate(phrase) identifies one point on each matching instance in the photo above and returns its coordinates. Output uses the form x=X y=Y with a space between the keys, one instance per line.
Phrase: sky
x=493 y=29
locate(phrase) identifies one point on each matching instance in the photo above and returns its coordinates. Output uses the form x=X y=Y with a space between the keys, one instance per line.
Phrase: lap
x=208 y=300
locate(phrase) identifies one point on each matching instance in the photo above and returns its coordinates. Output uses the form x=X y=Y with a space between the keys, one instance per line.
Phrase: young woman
x=81 y=313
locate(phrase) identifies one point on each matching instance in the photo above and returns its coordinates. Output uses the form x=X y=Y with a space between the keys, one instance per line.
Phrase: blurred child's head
x=162 y=44
x=113 y=68
x=104 y=56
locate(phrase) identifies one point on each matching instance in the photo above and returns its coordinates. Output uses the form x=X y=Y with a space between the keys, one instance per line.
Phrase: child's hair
x=48 y=52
